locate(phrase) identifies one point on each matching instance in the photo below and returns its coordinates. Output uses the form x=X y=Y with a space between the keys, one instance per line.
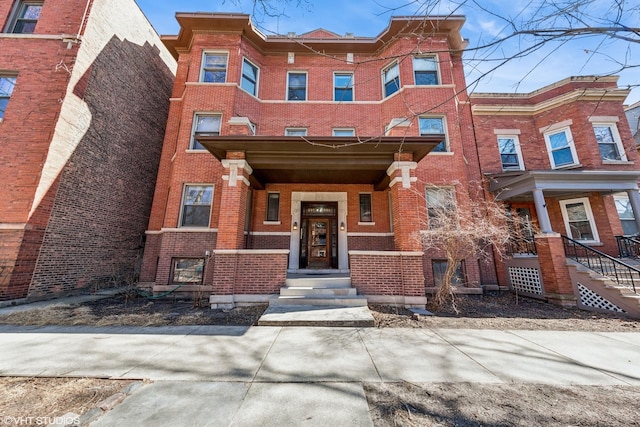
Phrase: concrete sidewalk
x=284 y=376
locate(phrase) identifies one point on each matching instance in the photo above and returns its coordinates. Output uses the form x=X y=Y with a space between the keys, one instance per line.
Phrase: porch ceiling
x=313 y=159
x=510 y=186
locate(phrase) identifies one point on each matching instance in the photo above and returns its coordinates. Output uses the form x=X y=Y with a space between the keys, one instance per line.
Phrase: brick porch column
x=405 y=203
x=556 y=279
x=233 y=203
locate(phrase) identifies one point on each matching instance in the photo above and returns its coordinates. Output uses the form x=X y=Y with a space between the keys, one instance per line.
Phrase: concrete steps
x=318 y=300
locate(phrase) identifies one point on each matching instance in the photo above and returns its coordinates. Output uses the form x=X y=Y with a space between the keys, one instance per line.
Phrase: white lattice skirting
x=588 y=298
x=525 y=279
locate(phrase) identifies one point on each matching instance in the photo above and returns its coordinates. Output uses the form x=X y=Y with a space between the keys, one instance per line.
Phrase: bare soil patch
x=469 y=404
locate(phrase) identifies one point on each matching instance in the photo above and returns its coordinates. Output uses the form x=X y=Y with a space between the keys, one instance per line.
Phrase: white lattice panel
x=525 y=279
x=592 y=299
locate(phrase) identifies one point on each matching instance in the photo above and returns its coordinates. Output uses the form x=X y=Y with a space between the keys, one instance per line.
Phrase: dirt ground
x=391 y=404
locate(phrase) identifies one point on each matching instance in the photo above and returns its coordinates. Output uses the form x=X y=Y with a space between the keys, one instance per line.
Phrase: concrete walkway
x=289 y=376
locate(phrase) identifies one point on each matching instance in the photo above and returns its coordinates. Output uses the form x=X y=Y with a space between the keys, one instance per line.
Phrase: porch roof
x=319 y=159
x=509 y=186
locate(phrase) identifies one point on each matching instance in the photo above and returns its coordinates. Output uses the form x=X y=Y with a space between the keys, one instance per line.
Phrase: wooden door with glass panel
x=319 y=245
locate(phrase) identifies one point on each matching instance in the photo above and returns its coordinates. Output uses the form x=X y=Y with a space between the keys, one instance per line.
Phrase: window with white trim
x=510 y=155
x=609 y=142
x=343 y=132
x=343 y=87
x=187 y=270
x=578 y=219
x=561 y=148
x=196 y=205
x=7 y=83
x=441 y=205
x=25 y=17
x=273 y=206
x=250 y=74
x=391 y=79
x=625 y=213
x=434 y=126
x=214 y=67
x=425 y=70
x=296 y=86
x=208 y=124
x=366 y=214
x=295 y=132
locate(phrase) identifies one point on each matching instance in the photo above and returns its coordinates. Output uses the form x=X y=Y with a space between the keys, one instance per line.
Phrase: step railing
x=628 y=247
x=521 y=247
x=614 y=269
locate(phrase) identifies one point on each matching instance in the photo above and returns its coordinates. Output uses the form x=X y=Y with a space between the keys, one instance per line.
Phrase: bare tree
x=467 y=228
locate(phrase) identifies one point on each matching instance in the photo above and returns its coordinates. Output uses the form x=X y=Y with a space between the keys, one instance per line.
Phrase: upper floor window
x=434 y=125
x=273 y=206
x=295 y=132
x=510 y=154
x=196 y=206
x=296 y=86
x=365 y=208
x=391 y=79
x=249 y=77
x=343 y=87
x=344 y=132
x=609 y=142
x=26 y=17
x=204 y=123
x=441 y=205
x=214 y=67
x=425 y=70
x=6 y=89
x=561 y=148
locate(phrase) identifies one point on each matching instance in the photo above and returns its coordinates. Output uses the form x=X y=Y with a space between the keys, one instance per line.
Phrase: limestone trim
x=183 y=230
x=235 y=175
x=405 y=168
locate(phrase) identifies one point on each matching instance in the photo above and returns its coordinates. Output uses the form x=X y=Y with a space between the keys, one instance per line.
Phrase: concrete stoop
x=315 y=300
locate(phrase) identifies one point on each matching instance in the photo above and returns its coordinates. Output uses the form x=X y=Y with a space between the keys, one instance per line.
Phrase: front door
x=319 y=243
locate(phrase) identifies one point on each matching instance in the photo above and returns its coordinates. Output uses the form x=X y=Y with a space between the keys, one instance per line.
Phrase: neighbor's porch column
x=634 y=199
x=541 y=210
x=405 y=203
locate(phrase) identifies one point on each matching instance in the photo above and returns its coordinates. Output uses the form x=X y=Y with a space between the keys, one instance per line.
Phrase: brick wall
x=387 y=274
x=177 y=245
x=249 y=272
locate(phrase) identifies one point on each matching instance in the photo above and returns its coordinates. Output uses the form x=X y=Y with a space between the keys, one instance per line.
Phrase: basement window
x=187 y=270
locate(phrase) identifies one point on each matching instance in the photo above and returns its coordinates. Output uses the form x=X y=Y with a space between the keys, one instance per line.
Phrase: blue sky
x=555 y=61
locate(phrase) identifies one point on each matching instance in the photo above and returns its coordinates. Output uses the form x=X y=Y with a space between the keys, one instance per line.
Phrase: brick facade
x=86 y=152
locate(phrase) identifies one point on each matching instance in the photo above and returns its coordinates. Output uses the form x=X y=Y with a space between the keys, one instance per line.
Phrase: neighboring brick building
x=84 y=88
x=321 y=153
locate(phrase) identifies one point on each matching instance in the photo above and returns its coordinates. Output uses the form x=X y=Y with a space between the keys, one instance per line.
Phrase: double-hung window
x=6 y=89
x=196 y=205
x=214 y=67
x=561 y=148
x=26 y=17
x=250 y=74
x=425 y=70
x=296 y=86
x=578 y=219
x=625 y=213
x=510 y=154
x=208 y=124
x=609 y=142
x=441 y=206
x=391 y=79
x=343 y=87
x=434 y=126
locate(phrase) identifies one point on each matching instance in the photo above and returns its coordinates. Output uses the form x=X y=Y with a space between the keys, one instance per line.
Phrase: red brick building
x=84 y=89
x=320 y=153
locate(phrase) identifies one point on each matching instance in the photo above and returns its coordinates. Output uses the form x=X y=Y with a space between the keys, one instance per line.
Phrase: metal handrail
x=521 y=247
x=628 y=247
x=613 y=268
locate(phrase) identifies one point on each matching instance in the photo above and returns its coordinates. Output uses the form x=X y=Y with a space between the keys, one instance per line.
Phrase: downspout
x=84 y=16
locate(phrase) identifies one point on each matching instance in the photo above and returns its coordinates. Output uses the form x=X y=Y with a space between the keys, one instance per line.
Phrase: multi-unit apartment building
x=84 y=88
x=328 y=154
